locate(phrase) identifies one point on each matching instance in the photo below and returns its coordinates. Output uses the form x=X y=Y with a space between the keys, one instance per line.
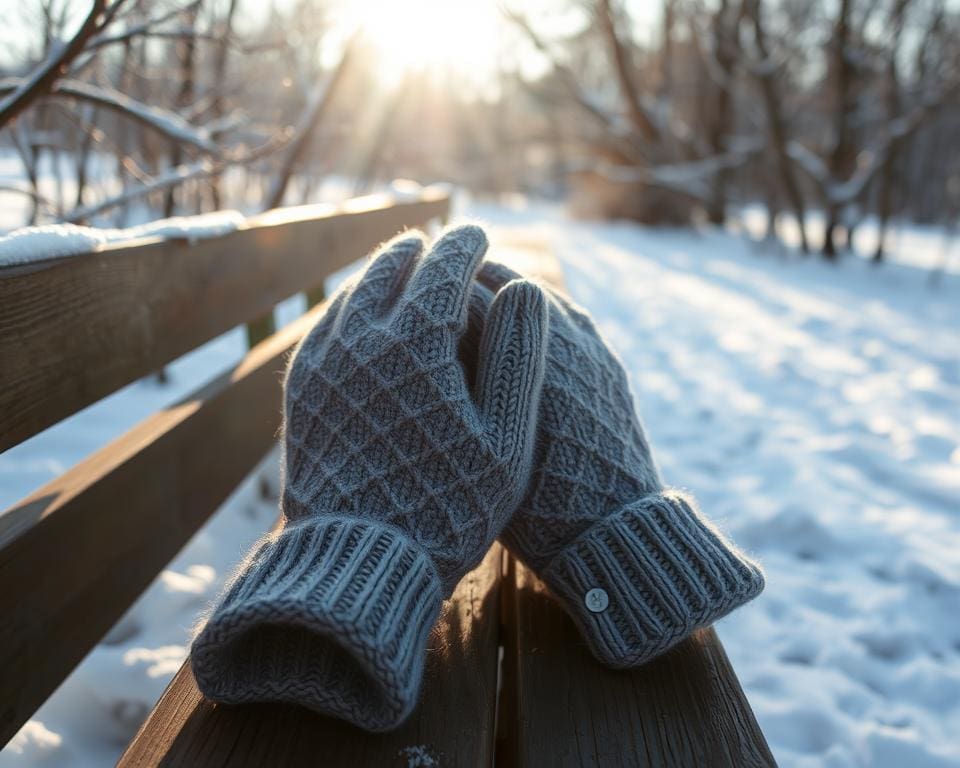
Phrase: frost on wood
x=34 y=244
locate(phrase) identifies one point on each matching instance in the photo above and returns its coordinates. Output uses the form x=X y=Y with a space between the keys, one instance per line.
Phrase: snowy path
x=815 y=412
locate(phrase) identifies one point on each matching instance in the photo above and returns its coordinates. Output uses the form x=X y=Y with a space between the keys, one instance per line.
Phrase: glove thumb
x=510 y=370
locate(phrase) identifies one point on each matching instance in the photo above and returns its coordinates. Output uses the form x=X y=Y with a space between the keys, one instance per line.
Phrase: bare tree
x=840 y=156
x=186 y=49
x=668 y=164
x=217 y=106
x=44 y=77
x=891 y=93
x=769 y=82
x=317 y=104
x=72 y=75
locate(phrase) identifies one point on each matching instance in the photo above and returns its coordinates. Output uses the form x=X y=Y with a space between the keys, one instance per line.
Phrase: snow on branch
x=872 y=159
x=613 y=124
x=811 y=163
x=163 y=121
x=44 y=78
x=173 y=178
x=693 y=179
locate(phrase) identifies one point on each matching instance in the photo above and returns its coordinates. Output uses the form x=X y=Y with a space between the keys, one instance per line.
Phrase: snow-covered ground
x=813 y=409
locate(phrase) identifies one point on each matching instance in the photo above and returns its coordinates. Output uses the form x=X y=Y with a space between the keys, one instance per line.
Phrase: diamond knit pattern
x=383 y=428
x=398 y=476
x=596 y=514
x=593 y=456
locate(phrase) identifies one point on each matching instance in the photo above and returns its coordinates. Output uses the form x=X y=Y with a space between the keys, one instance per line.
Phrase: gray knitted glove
x=398 y=478
x=636 y=566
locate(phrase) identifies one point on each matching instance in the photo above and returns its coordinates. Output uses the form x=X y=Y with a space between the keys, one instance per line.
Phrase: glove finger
x=495 y=275
x=510 y=371
x=441 y=283
x=387 y=274
x=478 y=306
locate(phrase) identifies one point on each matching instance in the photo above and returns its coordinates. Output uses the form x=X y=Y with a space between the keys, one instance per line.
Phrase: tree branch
x=44 y=78
x=173 y=178
x=691 y=178
x=163 y=121
x=641 y=122
x=607 y=121
x=317 y=103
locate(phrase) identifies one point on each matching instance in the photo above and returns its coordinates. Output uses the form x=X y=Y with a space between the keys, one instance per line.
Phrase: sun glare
x=460 y=36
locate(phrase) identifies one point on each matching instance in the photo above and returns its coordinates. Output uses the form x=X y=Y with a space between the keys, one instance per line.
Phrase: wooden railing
x=77 y=553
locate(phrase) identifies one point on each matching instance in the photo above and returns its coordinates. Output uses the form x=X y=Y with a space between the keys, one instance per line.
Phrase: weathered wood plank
x=77 y=553
x=685 y=709
x=74 y=330
x=453 y=725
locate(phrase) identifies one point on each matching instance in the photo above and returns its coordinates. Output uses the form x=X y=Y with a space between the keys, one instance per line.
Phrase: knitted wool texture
x=596 y=515
x=398 y=477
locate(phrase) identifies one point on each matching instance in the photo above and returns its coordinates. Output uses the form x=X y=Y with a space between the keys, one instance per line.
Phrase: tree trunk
x=840 y=157
x=776 y=125
x=886 y=178
x=623 y=69
x=29 y=158
x=724 y=29
x=219 y=84
x=829 y=250
x=186 y=53
x=82 y=159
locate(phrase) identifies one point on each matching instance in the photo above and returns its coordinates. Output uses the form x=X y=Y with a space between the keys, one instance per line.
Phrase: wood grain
x=454 y=723
x=74 y=330
x=685 y=709
x=78 y=552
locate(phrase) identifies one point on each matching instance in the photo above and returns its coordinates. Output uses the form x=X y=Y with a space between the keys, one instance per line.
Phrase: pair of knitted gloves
x=438 y=405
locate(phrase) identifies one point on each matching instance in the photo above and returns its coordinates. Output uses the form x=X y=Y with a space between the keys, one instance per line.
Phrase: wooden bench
x=508 y=679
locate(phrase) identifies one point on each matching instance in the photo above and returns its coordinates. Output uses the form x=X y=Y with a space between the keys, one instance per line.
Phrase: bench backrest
x=77 y=553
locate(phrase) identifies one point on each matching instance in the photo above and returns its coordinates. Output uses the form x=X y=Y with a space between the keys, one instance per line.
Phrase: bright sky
x=469 y=38
x=463 y=37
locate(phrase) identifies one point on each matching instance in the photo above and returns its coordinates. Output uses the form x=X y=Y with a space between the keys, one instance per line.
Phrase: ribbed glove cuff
x=640 y=581
x=331 y=614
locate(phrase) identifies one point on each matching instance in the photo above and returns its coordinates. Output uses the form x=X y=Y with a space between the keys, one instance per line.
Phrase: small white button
x=596 y=600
